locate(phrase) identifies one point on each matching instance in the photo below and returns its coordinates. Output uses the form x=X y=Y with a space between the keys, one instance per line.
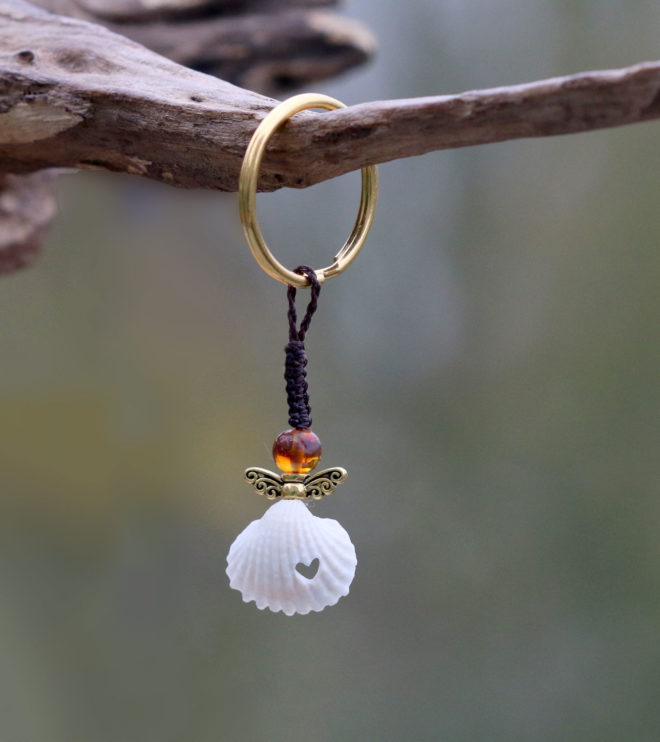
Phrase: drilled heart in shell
x=262 y=560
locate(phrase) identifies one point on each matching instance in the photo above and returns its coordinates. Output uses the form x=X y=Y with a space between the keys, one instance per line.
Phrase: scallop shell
x=262 y=560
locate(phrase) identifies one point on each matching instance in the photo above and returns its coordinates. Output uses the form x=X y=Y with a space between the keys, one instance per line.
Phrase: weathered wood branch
x=266 y=45
x=27 y=205
x=145 y=11
x=263 y=45
x=75 y=95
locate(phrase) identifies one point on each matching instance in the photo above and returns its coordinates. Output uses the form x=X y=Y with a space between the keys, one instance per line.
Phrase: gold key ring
x=247 y=196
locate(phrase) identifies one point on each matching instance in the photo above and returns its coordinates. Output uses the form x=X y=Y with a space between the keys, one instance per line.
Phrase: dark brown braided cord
x=295 y=365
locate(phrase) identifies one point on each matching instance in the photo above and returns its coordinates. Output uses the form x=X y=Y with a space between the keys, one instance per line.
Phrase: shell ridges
x=262 y=561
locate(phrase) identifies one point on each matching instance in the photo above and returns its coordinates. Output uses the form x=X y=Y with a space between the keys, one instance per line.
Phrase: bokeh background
x=488 y=372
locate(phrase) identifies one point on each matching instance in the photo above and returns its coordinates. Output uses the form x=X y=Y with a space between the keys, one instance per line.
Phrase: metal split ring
x=247 y=196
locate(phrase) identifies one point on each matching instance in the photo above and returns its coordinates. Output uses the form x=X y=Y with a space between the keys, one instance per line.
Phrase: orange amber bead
x=297 y=451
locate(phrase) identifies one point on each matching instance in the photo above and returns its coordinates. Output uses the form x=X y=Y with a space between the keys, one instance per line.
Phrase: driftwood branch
x=145 y=11
x=265 y=45
x=73 y=94
x=27 y=205
x=76 y=95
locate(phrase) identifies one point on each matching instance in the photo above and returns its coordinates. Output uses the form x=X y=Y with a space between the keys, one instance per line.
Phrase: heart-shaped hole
x=308 y=571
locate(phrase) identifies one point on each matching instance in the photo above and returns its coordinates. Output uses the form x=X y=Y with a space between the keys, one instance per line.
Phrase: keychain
x=265 y=561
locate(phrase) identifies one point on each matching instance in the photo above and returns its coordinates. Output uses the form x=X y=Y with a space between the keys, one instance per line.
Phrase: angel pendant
x=265 y=560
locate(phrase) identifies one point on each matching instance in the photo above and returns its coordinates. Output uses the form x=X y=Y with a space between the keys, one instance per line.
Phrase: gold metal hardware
x=247 y=195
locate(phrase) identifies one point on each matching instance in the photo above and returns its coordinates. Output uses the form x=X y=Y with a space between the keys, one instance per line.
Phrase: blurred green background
x=488 y=372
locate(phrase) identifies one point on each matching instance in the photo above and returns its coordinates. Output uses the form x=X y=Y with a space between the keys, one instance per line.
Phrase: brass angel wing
x=324 y=482
x=265 y=482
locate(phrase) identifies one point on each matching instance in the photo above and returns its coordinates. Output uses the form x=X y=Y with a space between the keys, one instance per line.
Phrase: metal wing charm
x=324 y=482
x=265 y=482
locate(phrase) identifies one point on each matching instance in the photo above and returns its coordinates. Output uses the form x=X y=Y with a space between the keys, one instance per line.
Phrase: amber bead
x=297 y=451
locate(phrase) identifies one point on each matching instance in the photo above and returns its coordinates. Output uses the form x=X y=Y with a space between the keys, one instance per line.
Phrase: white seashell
x=262 y=560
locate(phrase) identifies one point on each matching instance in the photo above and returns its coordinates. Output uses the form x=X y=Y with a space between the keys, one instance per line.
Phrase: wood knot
x=26 y=56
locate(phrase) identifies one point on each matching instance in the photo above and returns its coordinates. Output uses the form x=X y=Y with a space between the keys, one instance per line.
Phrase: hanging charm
x=266 y=561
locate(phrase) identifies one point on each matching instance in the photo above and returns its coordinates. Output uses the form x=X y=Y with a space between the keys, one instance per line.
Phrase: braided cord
x=295 y=365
